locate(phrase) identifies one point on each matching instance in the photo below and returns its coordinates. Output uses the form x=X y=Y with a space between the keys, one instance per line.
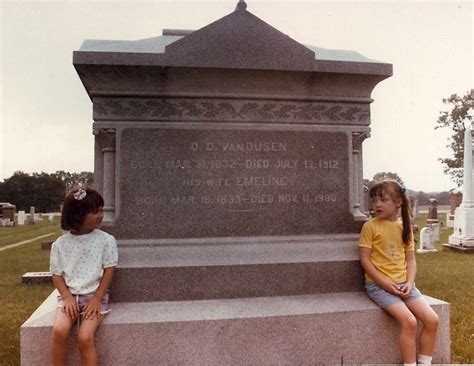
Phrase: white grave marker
x=426 y=240
x=21 y=217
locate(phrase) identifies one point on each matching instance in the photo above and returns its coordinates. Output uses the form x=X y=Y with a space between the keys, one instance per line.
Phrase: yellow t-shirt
x=384 y=238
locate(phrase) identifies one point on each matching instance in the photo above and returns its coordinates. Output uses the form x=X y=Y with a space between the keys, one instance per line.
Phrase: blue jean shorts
x=82 y=300
x=384 y=298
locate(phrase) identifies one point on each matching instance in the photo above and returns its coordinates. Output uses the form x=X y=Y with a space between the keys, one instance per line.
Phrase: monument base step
x=197 y=269
x=458 y=248
x=288 y=330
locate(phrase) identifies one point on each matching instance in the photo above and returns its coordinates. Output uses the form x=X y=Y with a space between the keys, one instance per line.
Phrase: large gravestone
x=230 y=160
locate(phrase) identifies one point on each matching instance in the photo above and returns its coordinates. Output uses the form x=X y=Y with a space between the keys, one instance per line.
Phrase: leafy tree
x=458 y=108
x=383 y=176
x=44 y=191
x=72 y=179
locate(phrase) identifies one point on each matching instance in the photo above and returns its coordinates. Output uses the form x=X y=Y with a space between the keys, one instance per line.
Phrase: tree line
x=421 y=197
x=42 y=190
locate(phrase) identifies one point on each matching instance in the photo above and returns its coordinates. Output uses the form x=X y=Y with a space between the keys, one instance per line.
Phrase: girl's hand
x=92 y=309
x=406 y=289
x=71 y=308
x=392 y=288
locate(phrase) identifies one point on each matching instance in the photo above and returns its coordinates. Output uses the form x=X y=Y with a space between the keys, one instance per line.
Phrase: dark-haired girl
x=82 y=264
x=386 y=248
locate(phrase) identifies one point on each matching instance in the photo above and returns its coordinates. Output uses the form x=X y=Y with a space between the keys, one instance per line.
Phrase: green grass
x=18 y=301
x=15 y=234
x=445 y=275
x=449 y=276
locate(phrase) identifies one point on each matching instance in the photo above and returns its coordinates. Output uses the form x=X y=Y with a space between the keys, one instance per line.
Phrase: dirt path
x=25 y=241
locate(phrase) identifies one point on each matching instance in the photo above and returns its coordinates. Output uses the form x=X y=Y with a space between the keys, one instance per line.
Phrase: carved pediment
x=240 y=40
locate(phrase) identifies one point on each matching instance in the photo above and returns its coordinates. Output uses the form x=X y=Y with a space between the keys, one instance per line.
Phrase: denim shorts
x=384 y=298
x=82 y=300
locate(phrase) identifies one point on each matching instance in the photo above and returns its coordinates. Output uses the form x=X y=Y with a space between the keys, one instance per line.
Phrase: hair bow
x=80 y=194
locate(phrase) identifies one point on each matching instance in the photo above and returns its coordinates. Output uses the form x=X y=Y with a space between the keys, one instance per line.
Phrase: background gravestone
x=230 y=161
x=455 y=199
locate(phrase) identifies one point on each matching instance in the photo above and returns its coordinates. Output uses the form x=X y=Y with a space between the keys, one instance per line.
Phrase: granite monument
x=230 y=161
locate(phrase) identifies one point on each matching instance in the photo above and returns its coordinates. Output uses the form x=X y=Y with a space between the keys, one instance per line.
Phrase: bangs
x=378 y=190
x=382 y=188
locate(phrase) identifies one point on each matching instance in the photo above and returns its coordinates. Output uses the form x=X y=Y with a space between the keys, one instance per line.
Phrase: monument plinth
x=230 y=160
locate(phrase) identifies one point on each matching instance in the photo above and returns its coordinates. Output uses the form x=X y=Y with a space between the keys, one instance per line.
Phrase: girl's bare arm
x=71 y=308
x=411 y=269
x=92 y=308
x=369 y=268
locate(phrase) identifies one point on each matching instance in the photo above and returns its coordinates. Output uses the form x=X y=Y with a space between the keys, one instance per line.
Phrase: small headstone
x=37 y=277
x=449 y=220
x=416 y=209
x=7 y=222
x=21 y=217
x=426 y=240
x=432 y=211
x=436 y=227
x=455 y=199
x=51 y=217
x=31 y=219
x=8 y=212
x=413 y=204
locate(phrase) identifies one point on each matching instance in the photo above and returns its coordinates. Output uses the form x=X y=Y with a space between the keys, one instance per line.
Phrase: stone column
x=105 y=139
x=463 y=234
x=357 y=186
x=467 y=198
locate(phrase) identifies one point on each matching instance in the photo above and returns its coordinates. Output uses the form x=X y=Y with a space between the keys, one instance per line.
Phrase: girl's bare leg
x=86 y=340
x=408 y=326
x=59 y=340
x=430 y=320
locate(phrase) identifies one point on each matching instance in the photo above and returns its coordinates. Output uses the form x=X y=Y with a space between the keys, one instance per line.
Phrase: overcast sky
x=46 y=115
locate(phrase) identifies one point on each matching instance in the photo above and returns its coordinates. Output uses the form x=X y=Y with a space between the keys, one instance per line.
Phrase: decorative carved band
x=225 y=110
x=105 y=138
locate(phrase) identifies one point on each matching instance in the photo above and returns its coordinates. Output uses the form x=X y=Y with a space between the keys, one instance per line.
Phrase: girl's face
x=93 y=220
x=385 y=207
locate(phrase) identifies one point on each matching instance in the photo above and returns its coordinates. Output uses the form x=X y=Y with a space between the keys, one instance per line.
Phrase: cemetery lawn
x=18 y=301
x=448 y=276
x=444 y=275
x=12 y=235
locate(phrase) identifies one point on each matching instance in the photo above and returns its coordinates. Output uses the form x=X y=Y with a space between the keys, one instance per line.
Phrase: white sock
x=410 y=364
x=425 y=360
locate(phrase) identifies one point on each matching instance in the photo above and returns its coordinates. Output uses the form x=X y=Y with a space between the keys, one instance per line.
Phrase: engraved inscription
x=241 y=181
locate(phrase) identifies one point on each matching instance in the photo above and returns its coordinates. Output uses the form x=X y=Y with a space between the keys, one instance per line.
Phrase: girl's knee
x=85 y=340
x=431 y=322
x=409 y=323
x=60 y=333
